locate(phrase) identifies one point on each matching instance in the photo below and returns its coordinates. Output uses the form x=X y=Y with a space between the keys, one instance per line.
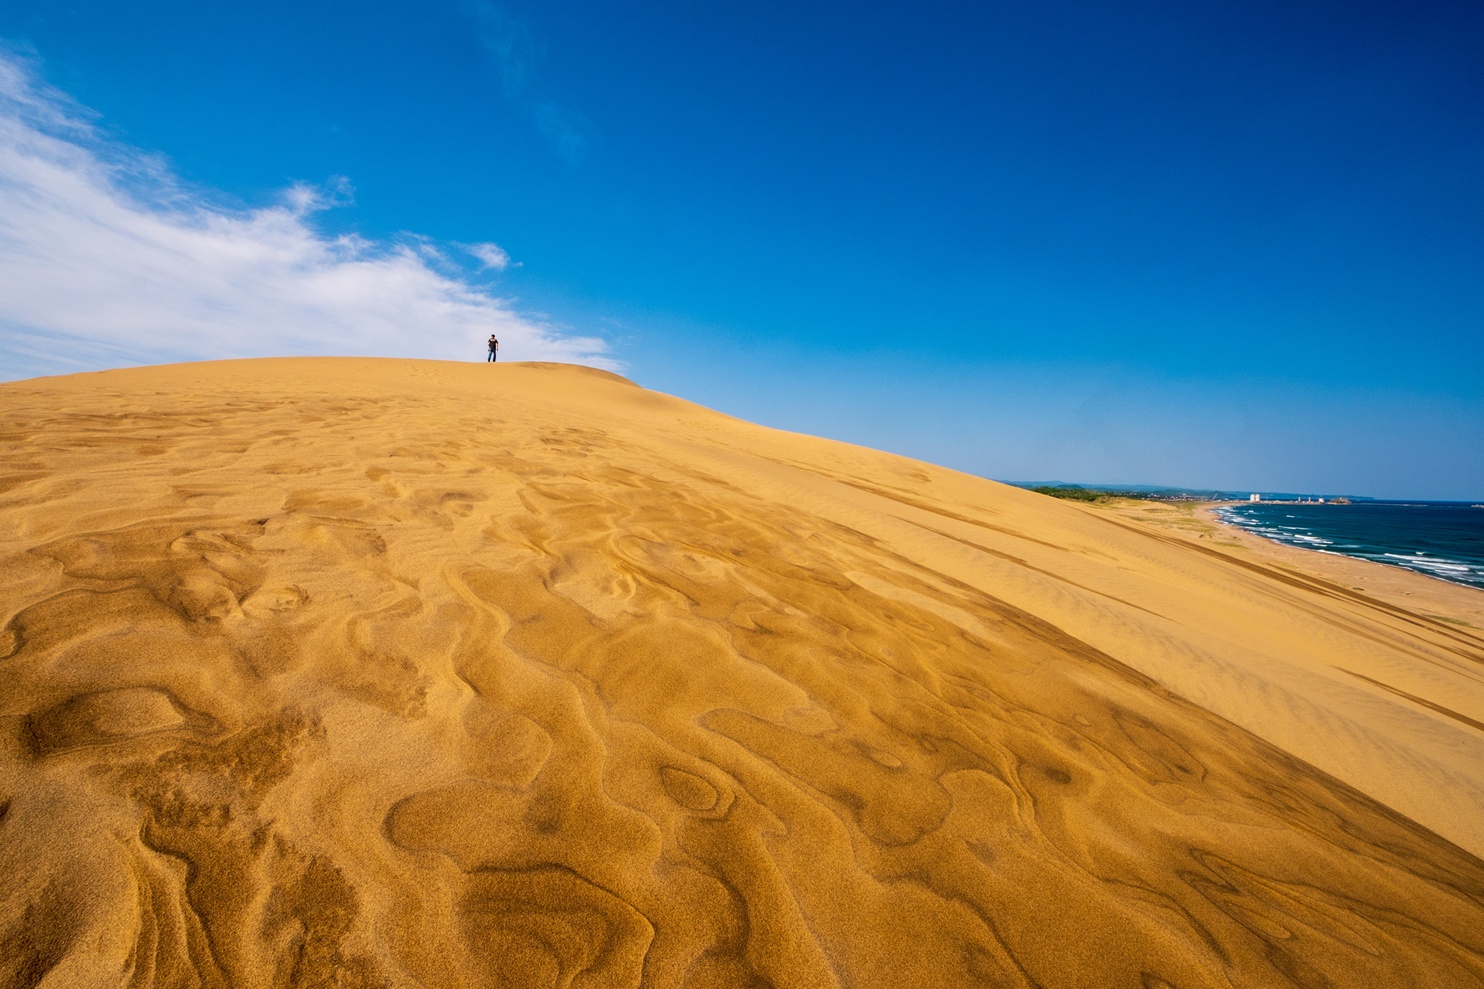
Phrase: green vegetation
x=1078 y=492
x=1075 y=494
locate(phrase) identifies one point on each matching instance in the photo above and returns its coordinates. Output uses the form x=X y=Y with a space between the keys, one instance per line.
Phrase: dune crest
x=398 y=673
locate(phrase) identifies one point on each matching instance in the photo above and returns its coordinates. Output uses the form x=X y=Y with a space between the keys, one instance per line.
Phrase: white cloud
x=106 y=258
x=491 y=256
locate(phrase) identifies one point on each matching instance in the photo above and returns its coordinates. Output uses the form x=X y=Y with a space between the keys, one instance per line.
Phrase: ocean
x=1437 y=538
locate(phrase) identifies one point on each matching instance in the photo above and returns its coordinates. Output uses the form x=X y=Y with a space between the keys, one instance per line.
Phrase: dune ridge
x=367 y=672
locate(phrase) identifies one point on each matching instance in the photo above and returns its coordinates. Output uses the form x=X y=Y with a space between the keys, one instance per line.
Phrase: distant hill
x=1076 y=491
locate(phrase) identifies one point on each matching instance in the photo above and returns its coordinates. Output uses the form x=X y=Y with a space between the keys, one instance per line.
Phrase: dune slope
x=397 y=673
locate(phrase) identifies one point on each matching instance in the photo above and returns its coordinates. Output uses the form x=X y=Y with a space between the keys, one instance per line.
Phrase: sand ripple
x=378 y=673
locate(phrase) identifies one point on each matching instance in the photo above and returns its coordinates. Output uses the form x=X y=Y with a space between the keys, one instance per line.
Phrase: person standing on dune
x=494 y=349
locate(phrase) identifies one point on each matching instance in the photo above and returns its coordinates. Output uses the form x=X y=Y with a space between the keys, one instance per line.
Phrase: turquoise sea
x=1442 y=539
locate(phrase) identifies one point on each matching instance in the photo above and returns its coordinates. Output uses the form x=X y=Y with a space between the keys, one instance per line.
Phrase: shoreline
x=1398 y=586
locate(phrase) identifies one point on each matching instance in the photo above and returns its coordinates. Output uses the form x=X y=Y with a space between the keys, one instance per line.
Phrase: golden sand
x=371 y=672
x=1428 y=596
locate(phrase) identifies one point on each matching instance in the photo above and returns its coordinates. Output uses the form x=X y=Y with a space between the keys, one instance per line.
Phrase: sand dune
x=396 y=673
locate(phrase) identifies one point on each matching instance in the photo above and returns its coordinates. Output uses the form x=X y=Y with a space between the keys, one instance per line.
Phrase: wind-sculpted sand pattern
x=374 y=673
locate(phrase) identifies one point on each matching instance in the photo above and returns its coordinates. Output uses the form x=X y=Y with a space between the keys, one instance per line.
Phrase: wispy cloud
x=491 y=256
x=514 y=51
x=107 y=258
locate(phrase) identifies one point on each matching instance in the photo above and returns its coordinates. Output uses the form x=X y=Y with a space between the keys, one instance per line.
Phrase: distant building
x=1256 y=497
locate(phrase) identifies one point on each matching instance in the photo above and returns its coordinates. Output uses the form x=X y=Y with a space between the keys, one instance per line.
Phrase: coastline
x=1397 y=586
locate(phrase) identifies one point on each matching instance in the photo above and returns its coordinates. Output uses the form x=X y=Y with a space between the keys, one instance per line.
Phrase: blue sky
x=1233 y=244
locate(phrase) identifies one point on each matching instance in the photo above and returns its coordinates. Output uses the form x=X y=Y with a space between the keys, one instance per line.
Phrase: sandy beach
x=1398 y=586
x=367 y=672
